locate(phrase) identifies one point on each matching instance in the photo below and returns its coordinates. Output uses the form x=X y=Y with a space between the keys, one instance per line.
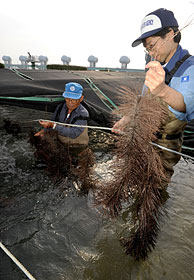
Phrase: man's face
x=72 y=104
x=154 y=46
x=160 y=49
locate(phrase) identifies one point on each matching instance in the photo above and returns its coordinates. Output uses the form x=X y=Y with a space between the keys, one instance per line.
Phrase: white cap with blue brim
x=155 y=22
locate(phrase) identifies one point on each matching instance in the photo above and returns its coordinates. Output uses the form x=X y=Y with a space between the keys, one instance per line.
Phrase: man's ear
x=81 y=99
x=171 y=33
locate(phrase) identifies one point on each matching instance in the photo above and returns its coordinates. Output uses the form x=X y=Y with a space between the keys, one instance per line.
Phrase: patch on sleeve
x=185 y=79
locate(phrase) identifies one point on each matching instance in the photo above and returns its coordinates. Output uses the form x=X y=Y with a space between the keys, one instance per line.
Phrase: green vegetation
x=1 y=65
x=66 y=67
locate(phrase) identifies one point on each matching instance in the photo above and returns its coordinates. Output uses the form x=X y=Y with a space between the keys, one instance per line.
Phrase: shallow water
x=56 y=233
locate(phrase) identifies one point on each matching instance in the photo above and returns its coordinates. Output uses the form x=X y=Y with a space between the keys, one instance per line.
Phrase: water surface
x=56 y=233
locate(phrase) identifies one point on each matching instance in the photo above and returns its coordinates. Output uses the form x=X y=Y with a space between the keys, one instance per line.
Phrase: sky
x=80 y=28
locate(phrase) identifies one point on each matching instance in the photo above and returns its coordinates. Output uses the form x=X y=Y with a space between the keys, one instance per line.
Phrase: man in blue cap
x=170 y=77
x=71 y=112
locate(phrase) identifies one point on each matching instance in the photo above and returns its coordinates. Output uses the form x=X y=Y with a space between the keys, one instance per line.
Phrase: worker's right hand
x=155 y=78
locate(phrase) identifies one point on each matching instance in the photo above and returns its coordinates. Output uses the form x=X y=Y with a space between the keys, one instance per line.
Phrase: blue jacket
x=68 y=131
x=183 y=82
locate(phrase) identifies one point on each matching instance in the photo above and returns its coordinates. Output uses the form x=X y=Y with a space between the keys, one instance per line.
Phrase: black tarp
x=51 y=83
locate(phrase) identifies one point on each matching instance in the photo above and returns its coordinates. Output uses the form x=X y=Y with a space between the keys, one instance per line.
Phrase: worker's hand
x=155 y=78
x=40 y=133
x=46 y=124
x=119 y=126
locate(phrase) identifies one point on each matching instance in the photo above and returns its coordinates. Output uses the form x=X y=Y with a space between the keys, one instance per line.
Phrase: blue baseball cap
x=155 y=22
x=73 y=91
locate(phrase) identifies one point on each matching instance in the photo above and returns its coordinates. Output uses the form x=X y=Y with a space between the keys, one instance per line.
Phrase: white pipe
x=16 y=262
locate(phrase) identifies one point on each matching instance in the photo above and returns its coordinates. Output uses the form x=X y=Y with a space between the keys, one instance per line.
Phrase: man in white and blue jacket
x=170 y=76
x=70 y=112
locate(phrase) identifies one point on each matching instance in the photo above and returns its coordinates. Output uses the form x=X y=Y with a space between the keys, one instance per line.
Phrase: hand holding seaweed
x=155 y=77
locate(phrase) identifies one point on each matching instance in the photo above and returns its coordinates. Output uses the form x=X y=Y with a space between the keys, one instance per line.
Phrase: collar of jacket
x=176 y=57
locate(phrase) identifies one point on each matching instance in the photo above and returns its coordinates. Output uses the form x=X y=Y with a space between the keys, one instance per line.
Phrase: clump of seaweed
x=139 y=175
x=85 y=161
x=49 y=150
x=61 y=159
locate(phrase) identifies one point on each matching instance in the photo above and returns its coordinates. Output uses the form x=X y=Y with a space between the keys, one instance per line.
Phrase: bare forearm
x=173 y=98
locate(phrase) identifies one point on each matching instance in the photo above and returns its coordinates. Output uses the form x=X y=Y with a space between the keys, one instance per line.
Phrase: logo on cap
x=150 y=23
x=72 y=88
x=146 y=23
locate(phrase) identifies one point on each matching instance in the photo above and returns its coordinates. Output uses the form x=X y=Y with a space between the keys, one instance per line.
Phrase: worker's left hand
x=46 y=124
x=155 y=77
